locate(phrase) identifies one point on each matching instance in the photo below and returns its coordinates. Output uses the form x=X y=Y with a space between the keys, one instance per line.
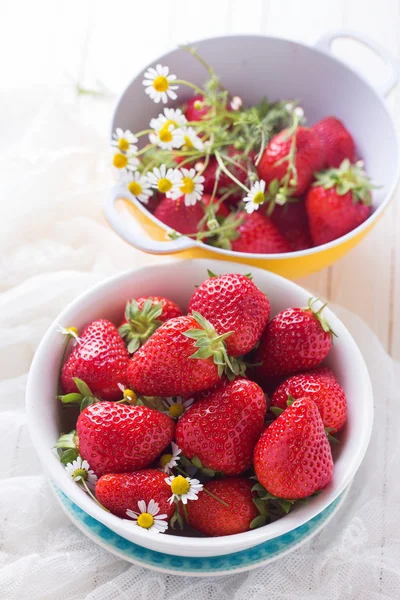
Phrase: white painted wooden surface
x=94 y=43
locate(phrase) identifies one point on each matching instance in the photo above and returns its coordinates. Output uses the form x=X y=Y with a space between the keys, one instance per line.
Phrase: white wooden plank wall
x=49 y=43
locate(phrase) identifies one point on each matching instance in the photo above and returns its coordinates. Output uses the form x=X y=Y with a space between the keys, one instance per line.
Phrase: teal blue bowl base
x=189 y=566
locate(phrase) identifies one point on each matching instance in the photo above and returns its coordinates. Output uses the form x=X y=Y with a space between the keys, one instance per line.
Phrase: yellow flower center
x=164 y=185
x=130 y=395
x=188 y=141
x=145 y=520
x=120 y=161
x=72 y=330
x=80 y=473
x=258 y=198
x=165 y=135
x=164 y=460
x=180 y=485
x=187 y=186
x=176 y=410
x=123 y=144
x=135 y=188
x=160 y=83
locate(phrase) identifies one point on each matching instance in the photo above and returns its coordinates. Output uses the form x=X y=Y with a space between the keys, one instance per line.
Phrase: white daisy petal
x=163 y=180
x=124 y=141
x=132 y=513
x=139 y=186
x=142 y=506
x=190 y=187
x=157 y=84
x=256 y=197
x=191 y=494
x=153 y=521
x=192 y=140
x=153 y=507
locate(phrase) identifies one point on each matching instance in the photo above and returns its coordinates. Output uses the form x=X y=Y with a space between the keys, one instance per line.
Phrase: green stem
x=143 y=132
x=225 y=170
x=145 y=149
x=92 y=495
x=201 y=60
x=204 y=489
x=185 y=512
x=191 y=85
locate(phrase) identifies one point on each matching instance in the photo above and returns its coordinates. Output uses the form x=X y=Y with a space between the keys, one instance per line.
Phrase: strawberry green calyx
x=83 y=398
x=212 y=345
x=67 y=447
x=347 y=178
x=318 y=315
x=141 y=323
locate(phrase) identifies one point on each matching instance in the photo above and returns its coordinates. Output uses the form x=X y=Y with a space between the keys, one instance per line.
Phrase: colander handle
x=386 y=86
x=130 y=230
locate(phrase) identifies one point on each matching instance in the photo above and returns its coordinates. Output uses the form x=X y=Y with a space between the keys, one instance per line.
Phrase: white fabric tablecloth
x=54 y=245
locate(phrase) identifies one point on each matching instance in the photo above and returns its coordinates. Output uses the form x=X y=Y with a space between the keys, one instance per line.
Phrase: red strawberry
x=100 y=359
x=258 y=234
x=178 y=216
x=295 y=340
x=309 y=158
x=293 y=458
x=336 y=140
x=214 y=518
x=292 y=221
x=168 y=363
x=143 y=316
x=122 y=491
x=325 y=392
x=323 y=371
x=223 y=428
x=233 y=303
x=118 y=438
x=196 y=110
x=338 y=203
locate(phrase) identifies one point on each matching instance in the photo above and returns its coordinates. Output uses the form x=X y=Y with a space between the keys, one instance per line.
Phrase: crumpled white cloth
x=54 y=245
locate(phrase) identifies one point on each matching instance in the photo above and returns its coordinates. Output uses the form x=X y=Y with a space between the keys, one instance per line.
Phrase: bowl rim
x=293 y=254
x=169 y=543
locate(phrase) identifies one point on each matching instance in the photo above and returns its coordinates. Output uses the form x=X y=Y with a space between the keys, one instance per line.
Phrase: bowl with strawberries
x=201 y=409
x=273 y=163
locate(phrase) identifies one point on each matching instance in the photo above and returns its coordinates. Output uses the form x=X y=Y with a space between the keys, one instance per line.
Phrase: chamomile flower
x=169 y=461
x=158 y=84
x=192 y=140
x=256 y=197
x=191 y=187
x=80 y=471
x=124 y=141
x=122 y=163
x=139 y=186
x=183 y=488
x=171 y=116
x=71 y=331
x=149 y=517
x=176 y=406
x=167 y=137
x=164 y=180
x=128 y=394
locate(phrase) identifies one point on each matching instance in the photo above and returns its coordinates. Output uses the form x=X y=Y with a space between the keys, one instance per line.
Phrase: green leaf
x=257 y=487
x=286 y=505
x=211 y=274
x=87 y=401
x=73 y=398
x=290 y=400
x=133 y=345
x=208 y=472
x=249 y=276
x=67 y=441
x=276 y=410
x=196 y=462
x=68 y=456
x=185 y=462
x=258 y=521
x=262 y=509
x=82 y=387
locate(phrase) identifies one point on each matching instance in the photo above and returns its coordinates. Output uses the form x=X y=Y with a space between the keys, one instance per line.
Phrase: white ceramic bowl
x=47 y=418
x=253 y=66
